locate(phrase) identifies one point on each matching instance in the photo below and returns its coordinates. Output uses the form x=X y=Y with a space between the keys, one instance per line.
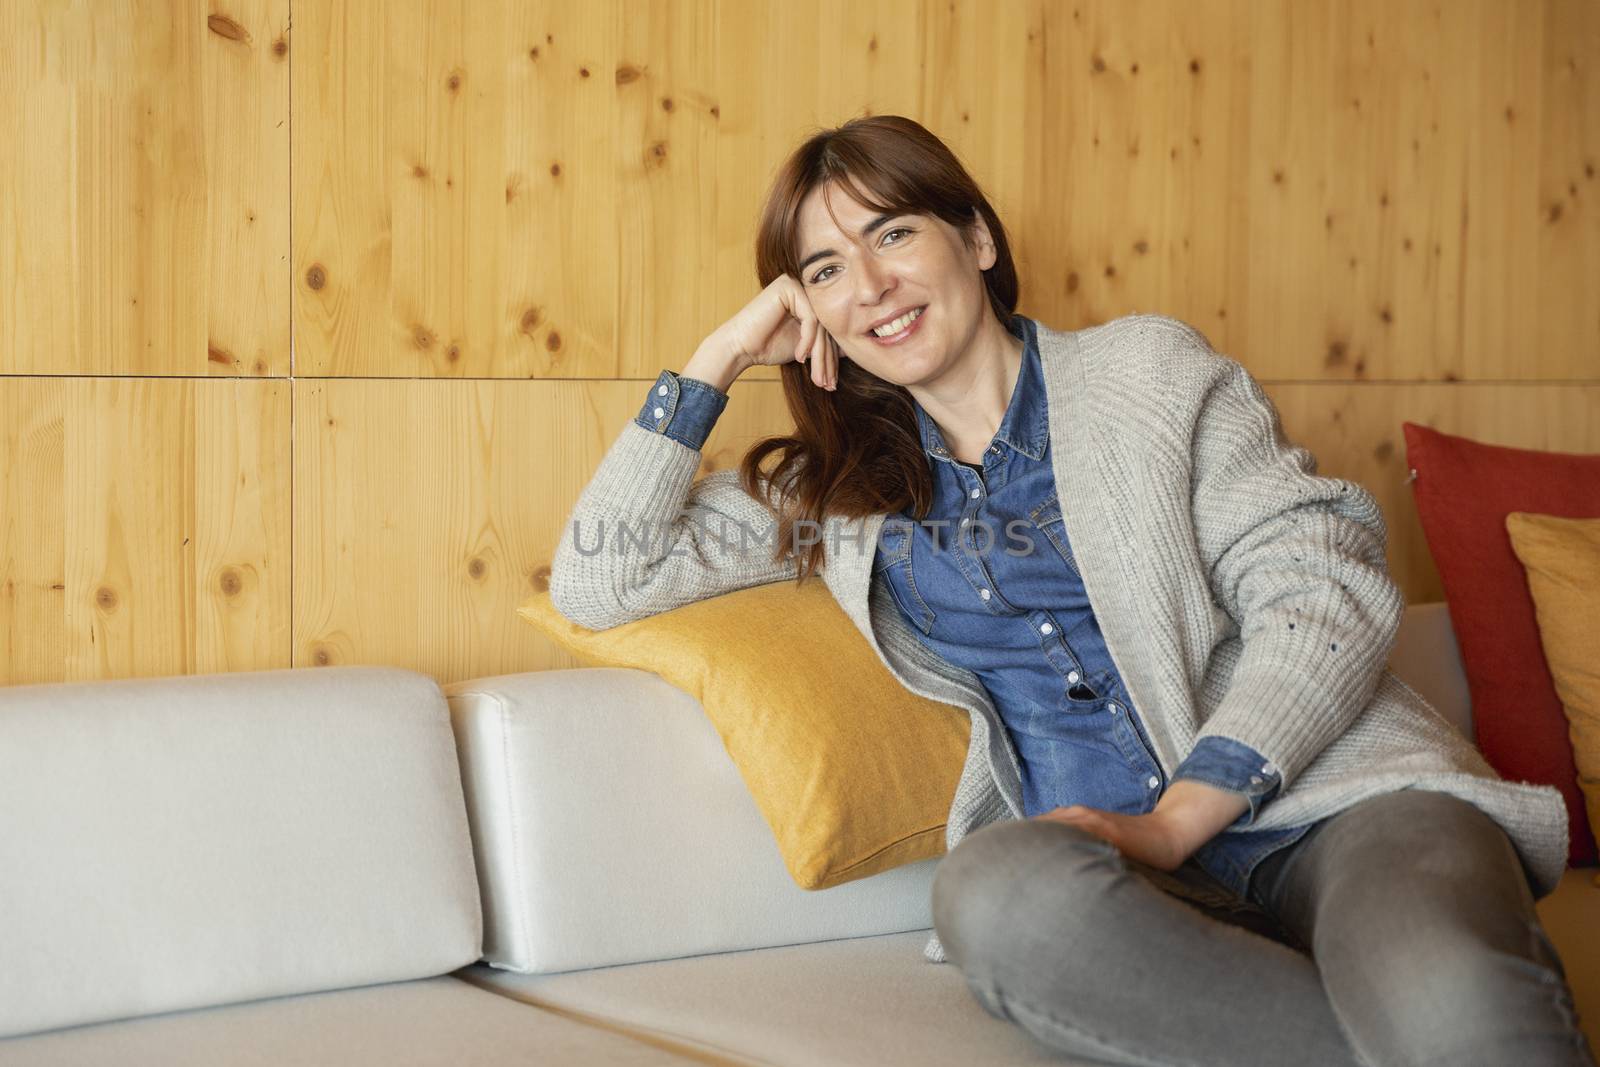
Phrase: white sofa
x=352 y=865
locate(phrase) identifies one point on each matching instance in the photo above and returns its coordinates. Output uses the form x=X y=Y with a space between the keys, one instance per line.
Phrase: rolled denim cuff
x=1233 y=766
x=684 y=409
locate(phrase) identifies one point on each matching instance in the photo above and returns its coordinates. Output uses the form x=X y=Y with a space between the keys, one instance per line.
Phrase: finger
x=808 y=327
x=833 y=359
x=819 y=362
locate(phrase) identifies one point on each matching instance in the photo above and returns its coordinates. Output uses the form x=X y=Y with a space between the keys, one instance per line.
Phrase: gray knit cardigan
x=1240 y=594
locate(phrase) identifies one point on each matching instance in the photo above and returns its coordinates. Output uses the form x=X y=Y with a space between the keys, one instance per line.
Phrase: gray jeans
x=1398 y=931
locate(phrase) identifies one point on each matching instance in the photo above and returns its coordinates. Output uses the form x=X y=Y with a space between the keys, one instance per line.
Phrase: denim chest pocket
x=893 y=561
x=1047 y=518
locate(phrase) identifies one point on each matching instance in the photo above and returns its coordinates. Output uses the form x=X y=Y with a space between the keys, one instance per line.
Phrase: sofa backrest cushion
x=611 y=826
x=173 y=843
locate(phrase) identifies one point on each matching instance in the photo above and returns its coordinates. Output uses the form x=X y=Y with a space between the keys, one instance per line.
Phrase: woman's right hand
x=778 y=326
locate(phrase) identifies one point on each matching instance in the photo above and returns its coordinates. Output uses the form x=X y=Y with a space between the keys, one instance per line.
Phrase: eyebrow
x=866 y=231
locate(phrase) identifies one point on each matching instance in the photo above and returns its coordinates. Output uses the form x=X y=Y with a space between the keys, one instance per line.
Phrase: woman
x=1211 y=828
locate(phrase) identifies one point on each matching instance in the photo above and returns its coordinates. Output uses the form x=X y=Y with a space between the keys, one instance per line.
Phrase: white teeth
x=892 y=328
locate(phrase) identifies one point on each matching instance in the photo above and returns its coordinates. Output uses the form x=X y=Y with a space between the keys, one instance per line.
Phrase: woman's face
x=867 y=268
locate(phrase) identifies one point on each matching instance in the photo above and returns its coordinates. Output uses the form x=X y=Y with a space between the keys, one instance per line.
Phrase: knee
x=983 y=886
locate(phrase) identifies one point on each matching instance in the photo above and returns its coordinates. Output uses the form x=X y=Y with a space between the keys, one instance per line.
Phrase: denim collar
x=1025 y=426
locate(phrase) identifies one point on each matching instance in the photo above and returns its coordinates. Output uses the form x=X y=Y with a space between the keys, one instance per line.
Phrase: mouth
x=897 y=329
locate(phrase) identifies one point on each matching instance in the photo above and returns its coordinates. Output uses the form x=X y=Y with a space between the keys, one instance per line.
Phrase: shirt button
x=995 y=450
x=1255 y=779
x=984 y=593
x=660 y=412
x=1113 y=709
x=1046 y=628
x=1268 y=768
x=1072 y=676
x=1153 y=782
x=975 y=493
x=661 y=390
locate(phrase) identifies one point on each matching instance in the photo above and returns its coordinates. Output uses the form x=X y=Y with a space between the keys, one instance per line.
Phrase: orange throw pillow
x=1562 y=561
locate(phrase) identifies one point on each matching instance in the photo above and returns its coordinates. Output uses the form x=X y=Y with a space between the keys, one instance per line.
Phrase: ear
x=982 y=241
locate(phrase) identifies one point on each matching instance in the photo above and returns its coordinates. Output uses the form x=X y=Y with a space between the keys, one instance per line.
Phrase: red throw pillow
x=1464 y=489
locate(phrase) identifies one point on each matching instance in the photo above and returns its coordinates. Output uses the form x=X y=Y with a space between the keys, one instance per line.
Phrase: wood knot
x=627 y=74
x=223 y=26
x=1097 y=65
x=475 y=568
x=555 y=170
x=666 y=103
x=316 y=277
x=321 y=655
x=539 y=578
x=553 y=341
x=530 y=319
x=421 y=337
x=106 y=598
x=280 y=48
x=583 y=72
x=229 y=582
x=219 y=355
x=453 y=353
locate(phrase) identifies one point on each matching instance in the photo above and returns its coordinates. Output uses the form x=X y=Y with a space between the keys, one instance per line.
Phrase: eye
x=822 y=275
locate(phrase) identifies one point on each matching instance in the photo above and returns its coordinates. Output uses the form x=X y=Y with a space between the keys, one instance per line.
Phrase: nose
x=874 y=280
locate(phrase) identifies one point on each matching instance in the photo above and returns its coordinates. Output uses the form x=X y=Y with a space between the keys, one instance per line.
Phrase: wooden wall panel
x=143 y=527
x=145 y=202
x=425 y=512
x=1388 y=211
x=454 y=189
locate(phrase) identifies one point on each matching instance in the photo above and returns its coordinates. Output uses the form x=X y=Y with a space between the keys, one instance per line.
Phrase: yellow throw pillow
x=1562 y=560
x=853 y=772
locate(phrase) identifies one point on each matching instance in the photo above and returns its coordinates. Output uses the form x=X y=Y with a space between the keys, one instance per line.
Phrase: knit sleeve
x=1297 y=560
x=644 y=537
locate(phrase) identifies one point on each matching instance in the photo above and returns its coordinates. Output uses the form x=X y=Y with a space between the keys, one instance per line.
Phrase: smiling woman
x=1179 y=708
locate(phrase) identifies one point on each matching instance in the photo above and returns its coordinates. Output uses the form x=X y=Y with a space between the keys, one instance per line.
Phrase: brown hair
x=856 y=451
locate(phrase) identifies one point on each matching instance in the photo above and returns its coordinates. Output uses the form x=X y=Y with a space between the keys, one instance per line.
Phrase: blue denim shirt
x=988 y=581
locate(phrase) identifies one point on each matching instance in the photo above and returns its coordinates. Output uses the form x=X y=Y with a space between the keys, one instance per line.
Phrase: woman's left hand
x=1153 y=839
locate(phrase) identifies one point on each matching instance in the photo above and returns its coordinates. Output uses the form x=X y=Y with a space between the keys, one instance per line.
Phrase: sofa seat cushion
x=876 y=1001
x=863 y=1000
x=402 y=1024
